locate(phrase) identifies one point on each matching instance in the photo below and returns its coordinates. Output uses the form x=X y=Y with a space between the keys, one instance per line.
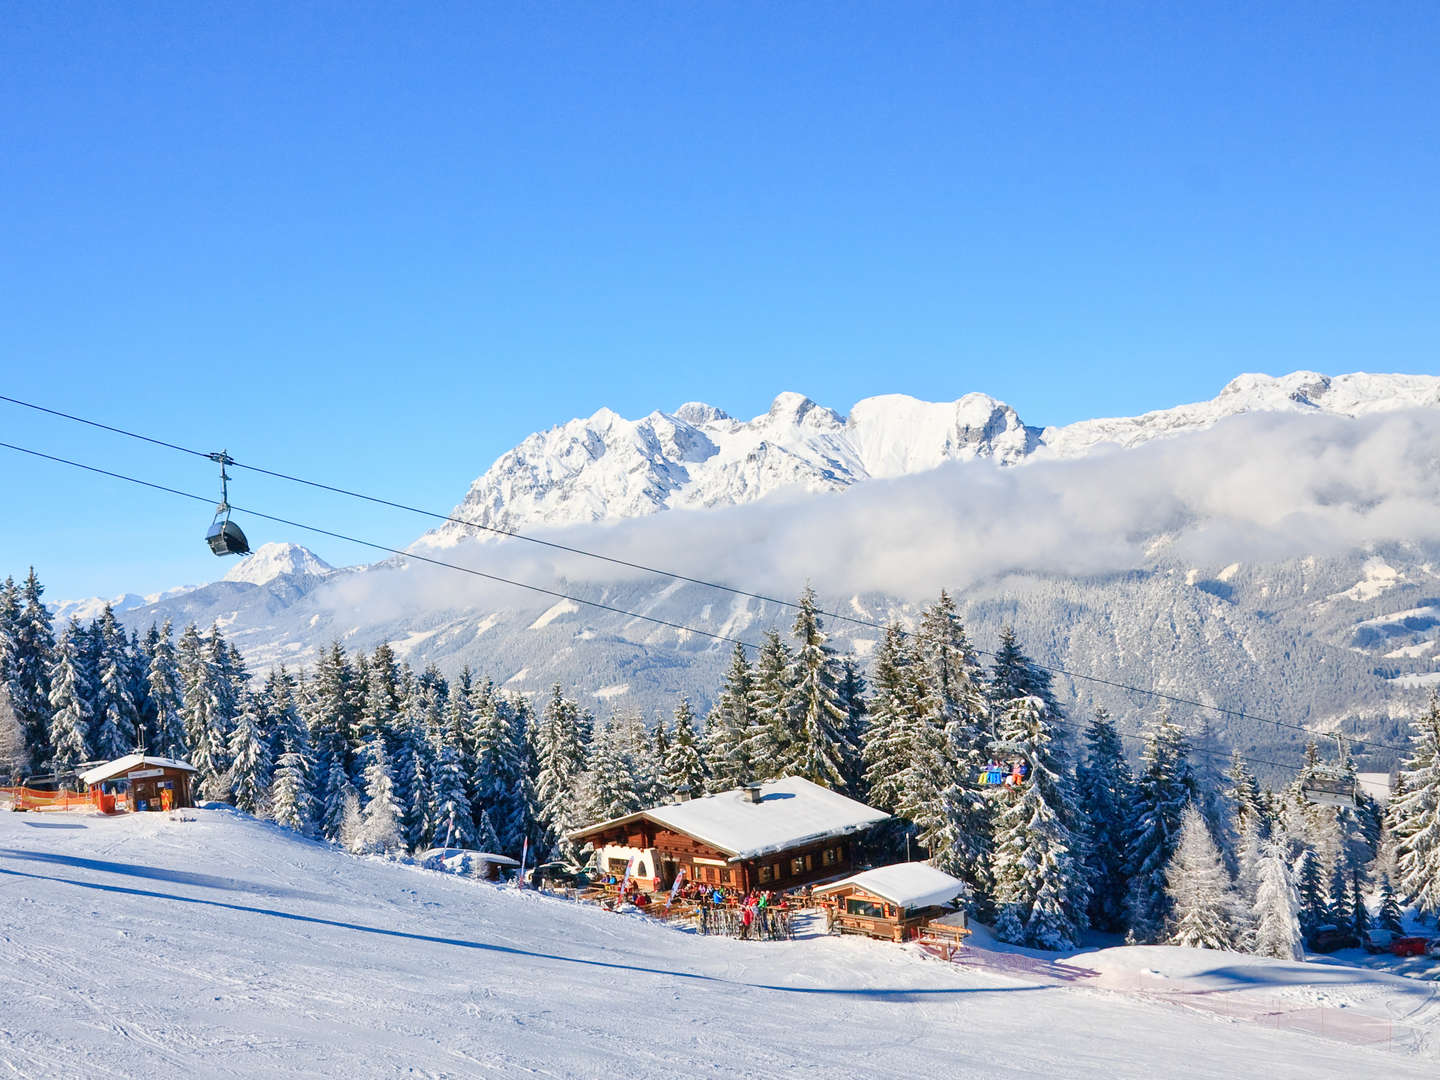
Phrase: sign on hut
x=894 y=902
x=776 y=835
x=140 y=783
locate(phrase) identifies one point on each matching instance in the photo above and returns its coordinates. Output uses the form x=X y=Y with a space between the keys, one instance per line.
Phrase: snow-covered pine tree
x=1389 y=915
x=330 y=712
x=854 y=699
x=290 y=802
x=950 y=733
x=500 y=782
x=413 y=771
x=380 y=833
x=638 y=748
x=1014 y=675
x=9 y=628
x=198 y=706
x=1310 y=883
x=117 y=715
x=32 y=658
x=1105 y=794
x=1040 y=893
x=14 y=754
x=683 y=775
x=350 y=826
x=823 y=752
x=729 y=725
x=381 y=705
x=1248 y=854
x=610 y=780
x=1277 y=907
x=1245 y=796
x=162 y=677
x=460 y=719
x=658 y=750
x=1359 y=913
x=337 y=795
x=770 y=744
x=887 y=749
x=72 y=700
x=1337 y=907
x=562 y=742
x=1162 y=791
x=251 y=766
x=280 y=712
x=486 y=839
x=1415 y=815
x=1199 y=888
x=451 y=815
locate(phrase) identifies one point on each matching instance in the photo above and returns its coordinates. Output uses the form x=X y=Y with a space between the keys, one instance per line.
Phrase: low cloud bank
x=1256 y=488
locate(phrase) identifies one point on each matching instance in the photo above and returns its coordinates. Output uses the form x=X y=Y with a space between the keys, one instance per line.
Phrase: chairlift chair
x=1330 y=788
x=225 y=537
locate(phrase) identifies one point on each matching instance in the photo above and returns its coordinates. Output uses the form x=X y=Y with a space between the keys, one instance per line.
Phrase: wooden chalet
x=776 y=835
x=141 y=783
x=895 y=902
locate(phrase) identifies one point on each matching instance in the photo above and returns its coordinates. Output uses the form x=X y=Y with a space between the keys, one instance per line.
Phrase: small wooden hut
x=893 y=902
x=141 y=783
x=777 y=835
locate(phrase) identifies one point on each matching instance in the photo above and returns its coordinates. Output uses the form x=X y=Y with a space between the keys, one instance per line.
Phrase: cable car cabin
x=226 y=538
x=1330 y=790
x=893 y=903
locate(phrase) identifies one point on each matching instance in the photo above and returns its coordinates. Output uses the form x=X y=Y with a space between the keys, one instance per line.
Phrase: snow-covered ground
x=223 y=946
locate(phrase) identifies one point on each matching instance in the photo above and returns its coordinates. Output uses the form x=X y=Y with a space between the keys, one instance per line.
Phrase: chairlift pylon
x=225 y=537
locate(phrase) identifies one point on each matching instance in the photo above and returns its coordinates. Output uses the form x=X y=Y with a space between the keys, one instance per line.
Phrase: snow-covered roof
x=906 y=885
x=447 y=853
x=791 y=812
x=131 y=761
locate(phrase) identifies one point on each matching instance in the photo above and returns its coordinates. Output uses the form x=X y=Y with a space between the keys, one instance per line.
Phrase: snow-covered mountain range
x=605 y=467
x=1285 y=562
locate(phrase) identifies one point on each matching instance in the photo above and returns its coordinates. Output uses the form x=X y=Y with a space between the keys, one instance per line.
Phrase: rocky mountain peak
x=271 y=561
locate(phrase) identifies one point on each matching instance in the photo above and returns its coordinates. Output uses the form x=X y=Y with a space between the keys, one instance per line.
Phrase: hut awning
x=906 y=885
x=132 y=761
x=790 y=812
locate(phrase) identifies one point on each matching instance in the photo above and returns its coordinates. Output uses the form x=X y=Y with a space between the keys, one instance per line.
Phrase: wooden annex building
x=776 y=835
x=895 y=902
x=141 y=783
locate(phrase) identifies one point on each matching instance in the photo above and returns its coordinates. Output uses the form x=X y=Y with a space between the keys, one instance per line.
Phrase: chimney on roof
x=752 y=792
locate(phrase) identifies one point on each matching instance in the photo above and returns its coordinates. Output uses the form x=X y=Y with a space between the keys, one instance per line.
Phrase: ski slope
x=222 y=946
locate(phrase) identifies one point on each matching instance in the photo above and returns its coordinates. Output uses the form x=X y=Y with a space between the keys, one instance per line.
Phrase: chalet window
x=765 y=874
x=724 y=877
x=864 y=908
x=797 y=866
x=809 y=862
x=617 y=866
x=777 y=868
x=827 y=857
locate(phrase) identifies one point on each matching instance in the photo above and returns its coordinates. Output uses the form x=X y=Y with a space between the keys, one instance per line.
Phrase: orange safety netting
x=23 y=798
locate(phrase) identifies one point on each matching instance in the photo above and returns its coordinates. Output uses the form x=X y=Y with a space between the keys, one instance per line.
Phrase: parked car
x=1378 y=940
x=1327 y=939
x=1410 y=946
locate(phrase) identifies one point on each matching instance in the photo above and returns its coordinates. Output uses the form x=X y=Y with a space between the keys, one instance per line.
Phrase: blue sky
x=380 y=244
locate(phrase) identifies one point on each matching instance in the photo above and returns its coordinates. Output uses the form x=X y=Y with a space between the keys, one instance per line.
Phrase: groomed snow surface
x=221 y=946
